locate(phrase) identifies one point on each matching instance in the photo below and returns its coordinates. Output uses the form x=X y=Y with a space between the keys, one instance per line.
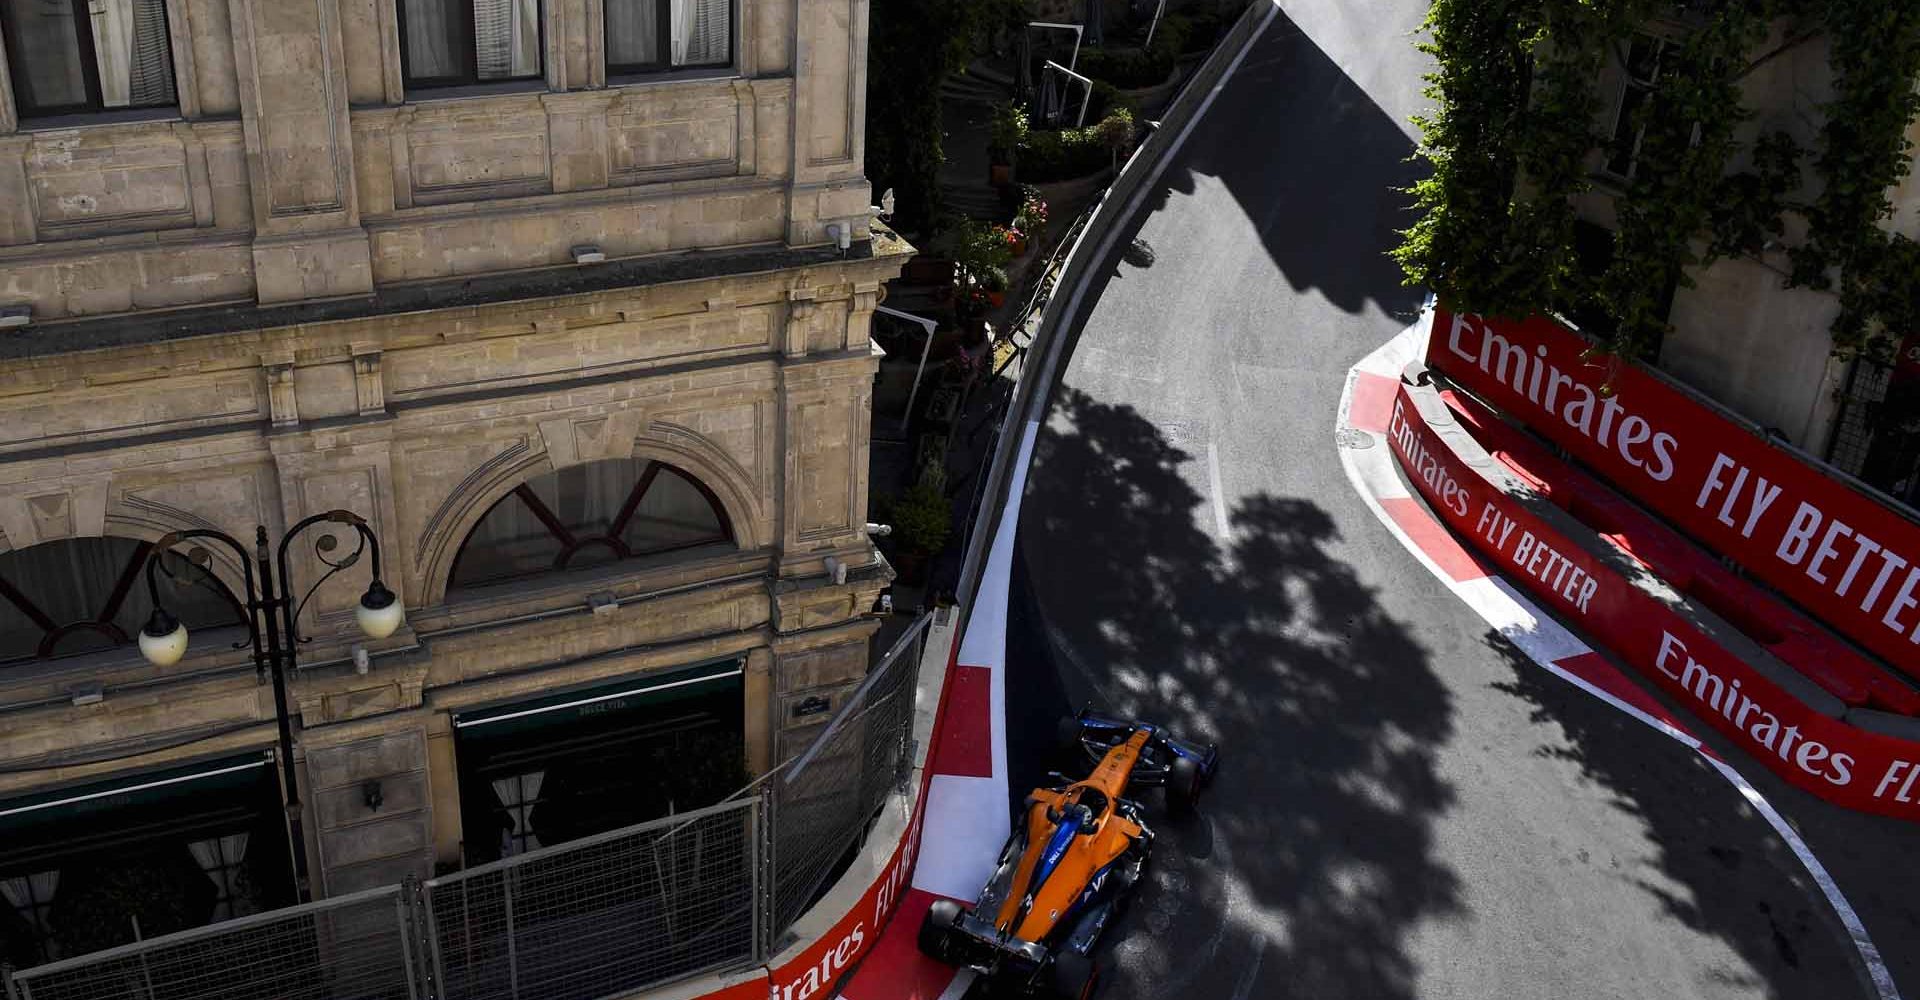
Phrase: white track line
x=1213 y=485
x=1373 y=474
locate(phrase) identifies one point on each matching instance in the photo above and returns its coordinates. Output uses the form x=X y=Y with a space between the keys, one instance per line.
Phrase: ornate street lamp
x=163 y=641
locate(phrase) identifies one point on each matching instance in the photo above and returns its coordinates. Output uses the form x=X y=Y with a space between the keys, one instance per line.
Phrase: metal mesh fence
x=593 y=917
x=825 y=799
x=631 y=909
x=1865 y=390
x=350 y=948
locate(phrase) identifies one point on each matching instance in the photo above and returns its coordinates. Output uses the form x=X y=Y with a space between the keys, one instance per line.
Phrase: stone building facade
x=340 y=254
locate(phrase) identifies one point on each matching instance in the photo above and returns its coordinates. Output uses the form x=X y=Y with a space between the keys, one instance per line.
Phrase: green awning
x=97 y=815
x=135 y=789
x=652 y=690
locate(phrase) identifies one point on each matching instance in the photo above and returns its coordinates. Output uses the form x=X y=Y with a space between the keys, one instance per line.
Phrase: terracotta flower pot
x=1019 y=246
x=1000 y=174
x=996 y=299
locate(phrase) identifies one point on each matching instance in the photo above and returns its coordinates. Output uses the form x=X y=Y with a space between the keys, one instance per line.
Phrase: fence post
x=6 y=980
x=403 y=917
x=513 y=952
x=438 y=985
x=766 y=871
x=904 y=698
x=753 y=867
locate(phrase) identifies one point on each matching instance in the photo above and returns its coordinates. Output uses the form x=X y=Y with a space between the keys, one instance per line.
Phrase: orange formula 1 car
x=1075 y=853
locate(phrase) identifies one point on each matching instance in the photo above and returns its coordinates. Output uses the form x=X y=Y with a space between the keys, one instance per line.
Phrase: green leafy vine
x=1514 y=142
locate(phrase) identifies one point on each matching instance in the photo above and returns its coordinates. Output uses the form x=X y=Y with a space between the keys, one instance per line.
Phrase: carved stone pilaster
x=800 y=311
x=282 y=405
x=369 y=388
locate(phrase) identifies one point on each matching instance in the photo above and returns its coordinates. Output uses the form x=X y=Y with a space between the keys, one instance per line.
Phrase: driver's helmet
x=1080 y=816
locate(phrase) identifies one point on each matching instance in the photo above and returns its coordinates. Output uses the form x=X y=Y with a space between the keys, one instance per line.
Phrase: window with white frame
x=448 y=43
x=78 y=56
x=1640 y=75
x=652 y=36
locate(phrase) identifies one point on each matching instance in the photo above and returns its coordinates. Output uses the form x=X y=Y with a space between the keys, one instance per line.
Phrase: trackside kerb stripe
x=965 y=748
x=1456 y=561
x=1375 y=477
x=1372 y=401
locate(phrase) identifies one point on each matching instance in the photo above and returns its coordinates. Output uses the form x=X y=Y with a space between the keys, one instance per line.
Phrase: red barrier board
x=1850 y=561
x=1817 y=753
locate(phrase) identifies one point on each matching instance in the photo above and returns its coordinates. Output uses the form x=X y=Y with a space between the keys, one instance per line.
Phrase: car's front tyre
x=1184 y=781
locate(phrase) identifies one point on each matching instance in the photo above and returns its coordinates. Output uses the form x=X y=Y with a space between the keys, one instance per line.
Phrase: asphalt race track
x=1407 y=807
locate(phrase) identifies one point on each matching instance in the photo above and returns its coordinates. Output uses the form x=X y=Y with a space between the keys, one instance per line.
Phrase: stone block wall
x=757 y=385
x=297 y=164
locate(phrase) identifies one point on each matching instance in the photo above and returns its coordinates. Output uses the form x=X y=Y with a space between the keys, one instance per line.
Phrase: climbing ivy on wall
x=1514 y=132
x=1876 y=57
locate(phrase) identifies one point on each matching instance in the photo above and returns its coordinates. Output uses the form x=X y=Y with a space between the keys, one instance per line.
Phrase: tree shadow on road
x=1721 y=870
x=1327 y=712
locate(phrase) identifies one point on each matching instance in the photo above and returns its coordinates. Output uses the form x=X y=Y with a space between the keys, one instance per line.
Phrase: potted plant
x=1031 y=220
x=1015 y=240
x=978 y=250
x=1006 y=132
x=922 y=520
x=1115 y=132
x=994 y=280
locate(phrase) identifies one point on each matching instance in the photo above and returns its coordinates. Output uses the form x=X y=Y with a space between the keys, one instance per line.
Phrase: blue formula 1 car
x=1075 y=853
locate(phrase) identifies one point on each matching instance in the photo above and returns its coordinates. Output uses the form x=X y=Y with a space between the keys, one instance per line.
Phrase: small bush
x=979 y=247
x=1107 y=99
x=1128 y=68
x=1174 y=36
x=1008 y=129
x=922 y=519
x=1065 y=154
x=1132 y=68
x=1202 y=29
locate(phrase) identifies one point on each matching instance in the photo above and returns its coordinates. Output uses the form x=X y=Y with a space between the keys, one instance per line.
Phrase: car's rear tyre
x=1184 y=780
x=1073 y=976
x=937 y=930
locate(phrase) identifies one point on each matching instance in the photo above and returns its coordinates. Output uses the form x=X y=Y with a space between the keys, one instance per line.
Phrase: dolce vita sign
x=1850 y=560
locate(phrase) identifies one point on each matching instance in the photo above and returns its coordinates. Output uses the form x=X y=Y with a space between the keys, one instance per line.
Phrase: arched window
x=78 y=595
x=589 y=515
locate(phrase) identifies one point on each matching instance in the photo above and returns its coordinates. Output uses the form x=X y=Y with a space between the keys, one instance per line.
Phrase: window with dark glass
x=589 y=515
x=80 y=595
x=1644 y=58
x=650 y=36
x=446 y=43
x=71 y=56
